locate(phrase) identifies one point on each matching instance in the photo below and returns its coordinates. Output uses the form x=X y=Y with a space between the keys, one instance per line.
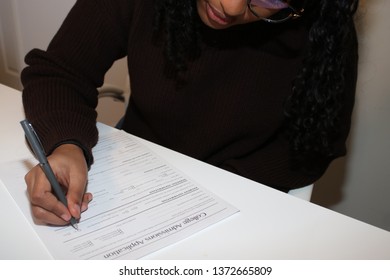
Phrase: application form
x=141 y=204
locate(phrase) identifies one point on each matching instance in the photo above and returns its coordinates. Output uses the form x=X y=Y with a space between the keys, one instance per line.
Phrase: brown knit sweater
x=229 y=111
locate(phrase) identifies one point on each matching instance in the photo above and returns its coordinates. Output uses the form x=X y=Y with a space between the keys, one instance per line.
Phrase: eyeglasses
x=284 y=10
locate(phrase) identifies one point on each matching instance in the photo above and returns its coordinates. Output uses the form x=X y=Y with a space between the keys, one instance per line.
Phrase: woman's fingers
x=69 y=166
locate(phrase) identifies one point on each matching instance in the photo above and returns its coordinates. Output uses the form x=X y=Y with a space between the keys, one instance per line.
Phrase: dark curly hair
x=317 y=100
x=314 y=107
x=177 y=21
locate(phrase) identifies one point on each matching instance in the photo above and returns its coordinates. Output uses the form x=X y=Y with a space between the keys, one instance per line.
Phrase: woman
x=261 y=88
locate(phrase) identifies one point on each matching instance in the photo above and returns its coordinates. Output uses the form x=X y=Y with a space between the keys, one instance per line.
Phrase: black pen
x=39 y=153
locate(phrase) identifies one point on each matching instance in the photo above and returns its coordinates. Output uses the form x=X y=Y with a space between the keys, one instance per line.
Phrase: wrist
x=72 y=146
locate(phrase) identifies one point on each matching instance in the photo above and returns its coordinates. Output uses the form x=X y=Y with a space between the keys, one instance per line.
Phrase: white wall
x=359 y=185
x=28 y=24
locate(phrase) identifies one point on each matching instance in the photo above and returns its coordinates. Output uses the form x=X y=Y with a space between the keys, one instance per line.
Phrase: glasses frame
x=294 y=13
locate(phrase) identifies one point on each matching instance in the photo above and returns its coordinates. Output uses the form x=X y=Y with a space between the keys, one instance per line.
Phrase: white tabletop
x=270 y=225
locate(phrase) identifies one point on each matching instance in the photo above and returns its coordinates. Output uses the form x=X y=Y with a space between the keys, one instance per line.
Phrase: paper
x=141 y=204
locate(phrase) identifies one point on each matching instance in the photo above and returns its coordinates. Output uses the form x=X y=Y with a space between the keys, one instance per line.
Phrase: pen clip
x=33 y=142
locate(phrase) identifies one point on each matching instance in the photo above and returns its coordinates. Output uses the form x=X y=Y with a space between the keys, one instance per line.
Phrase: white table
x=270 y=225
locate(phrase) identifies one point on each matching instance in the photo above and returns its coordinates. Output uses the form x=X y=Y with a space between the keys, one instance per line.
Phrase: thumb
x=76 y=192
x=72 y=173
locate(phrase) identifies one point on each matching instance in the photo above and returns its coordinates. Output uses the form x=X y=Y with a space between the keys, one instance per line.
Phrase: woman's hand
x=69 y=166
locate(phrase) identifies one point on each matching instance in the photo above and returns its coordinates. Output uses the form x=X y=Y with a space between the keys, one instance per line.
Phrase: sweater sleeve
x=60 y=84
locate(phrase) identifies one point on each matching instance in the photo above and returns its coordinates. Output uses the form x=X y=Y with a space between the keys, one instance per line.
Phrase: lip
x=217 y=16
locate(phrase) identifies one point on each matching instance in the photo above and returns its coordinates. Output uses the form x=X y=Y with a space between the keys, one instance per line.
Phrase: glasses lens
x=283 y=14
x=270 y=4
x=283 y=10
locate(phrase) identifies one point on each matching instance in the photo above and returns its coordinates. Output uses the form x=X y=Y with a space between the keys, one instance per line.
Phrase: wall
x=358 y=185
x=28 y=24
x=25 y=24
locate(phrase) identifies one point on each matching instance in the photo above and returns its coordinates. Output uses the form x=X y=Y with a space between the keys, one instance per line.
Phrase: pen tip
x=75 y=226
x=73 y=222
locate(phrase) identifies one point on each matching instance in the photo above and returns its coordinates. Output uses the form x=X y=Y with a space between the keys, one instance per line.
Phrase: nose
x=234 y=7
